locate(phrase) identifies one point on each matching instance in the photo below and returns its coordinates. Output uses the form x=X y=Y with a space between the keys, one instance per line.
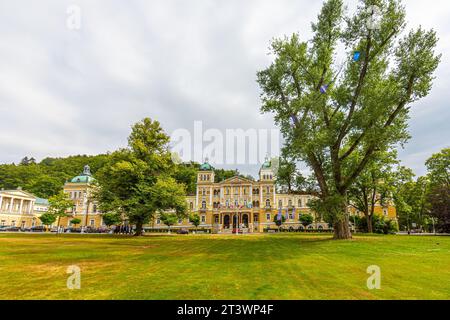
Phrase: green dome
x=82 y=179
x=266 y=164
x=205 y=167
x=85 y=177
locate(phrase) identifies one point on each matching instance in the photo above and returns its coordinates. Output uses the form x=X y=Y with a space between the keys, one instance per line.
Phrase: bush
x=381 y=225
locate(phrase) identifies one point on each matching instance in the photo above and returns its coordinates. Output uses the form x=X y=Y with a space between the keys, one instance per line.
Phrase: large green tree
x=337 y=118
x=137 y=181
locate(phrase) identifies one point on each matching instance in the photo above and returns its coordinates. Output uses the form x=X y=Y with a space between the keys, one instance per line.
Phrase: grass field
x=285 y=266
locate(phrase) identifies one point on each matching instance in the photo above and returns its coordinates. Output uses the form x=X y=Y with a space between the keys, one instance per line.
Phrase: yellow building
x=222 y=206
x=84 y=208
x=22 y=209
x=250 y=205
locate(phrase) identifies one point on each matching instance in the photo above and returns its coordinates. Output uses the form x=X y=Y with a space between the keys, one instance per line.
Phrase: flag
x=356 y=55
x=293 y=212
x=279 y=215
x=323 y=89
x=287 y=214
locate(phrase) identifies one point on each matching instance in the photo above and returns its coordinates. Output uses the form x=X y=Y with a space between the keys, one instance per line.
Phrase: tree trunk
x=138 y=229
x=342 y=229
x=369 y=223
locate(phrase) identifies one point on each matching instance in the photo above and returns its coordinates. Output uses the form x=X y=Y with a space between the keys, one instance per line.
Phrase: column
x=21 y=206
x=260 y=196
x=210 y=196
x=11 y=205
x=1 y=202
x=274 y=194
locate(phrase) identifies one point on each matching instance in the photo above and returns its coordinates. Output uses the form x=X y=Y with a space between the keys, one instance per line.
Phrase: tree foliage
x=338 y=118
x=138 y=180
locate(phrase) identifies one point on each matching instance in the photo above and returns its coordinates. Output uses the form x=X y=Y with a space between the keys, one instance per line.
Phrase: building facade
x=235 y=203
x=84 y=208
x=19 y=208
x=240 y=202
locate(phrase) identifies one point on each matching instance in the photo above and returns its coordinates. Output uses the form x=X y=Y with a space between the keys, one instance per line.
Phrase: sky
x=75 y=86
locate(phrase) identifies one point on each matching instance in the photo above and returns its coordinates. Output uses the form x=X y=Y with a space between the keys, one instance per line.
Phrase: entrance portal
x=245 y=220
x=226 y=221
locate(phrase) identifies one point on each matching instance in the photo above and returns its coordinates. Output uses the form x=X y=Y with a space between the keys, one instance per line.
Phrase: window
x=280 y=203
x=216 y=219
x=299 y=203
x=203 y=204
x=267 y=203
x=92 y=222
x=95 y=208
x=180 y=221
x=203 y=218
x=191 y=205
x=290 y=203
x=385 y=211
x=268 y=217
x=158 y=221
x=291 y=216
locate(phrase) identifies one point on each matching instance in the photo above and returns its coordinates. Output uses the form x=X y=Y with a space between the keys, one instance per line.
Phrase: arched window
x=191 y=205
x=203 y=204
x=94 y=208
x=267 y=203
x=280 y=203
x=290 y=203
x=299 y=203
x=257 y=204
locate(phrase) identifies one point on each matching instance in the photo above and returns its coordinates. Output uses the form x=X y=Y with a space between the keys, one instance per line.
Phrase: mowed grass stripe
x=284 y=266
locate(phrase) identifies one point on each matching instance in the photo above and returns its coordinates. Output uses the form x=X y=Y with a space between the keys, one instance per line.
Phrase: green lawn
x=285 y=266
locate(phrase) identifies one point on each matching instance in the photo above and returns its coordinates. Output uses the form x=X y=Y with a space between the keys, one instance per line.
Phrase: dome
x=267 y=164
x=82 y=179
x=85 y=177
x=206 y=166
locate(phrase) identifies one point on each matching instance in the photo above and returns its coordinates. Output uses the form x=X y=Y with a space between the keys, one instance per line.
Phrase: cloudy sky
x=67 y=91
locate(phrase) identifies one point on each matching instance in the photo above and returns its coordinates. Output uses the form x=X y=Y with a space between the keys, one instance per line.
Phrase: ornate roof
x=206 y=166
x=85 y=177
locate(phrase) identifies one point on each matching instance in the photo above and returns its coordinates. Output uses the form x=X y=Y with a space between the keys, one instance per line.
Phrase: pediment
x=237 y=180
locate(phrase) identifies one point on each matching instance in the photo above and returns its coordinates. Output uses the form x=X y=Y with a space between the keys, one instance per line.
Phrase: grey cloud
x=68 y=92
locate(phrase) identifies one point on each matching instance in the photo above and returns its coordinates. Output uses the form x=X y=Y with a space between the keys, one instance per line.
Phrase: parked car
x=72 y=230
x=11 y=229
x=37 y=229
x=182 y=231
